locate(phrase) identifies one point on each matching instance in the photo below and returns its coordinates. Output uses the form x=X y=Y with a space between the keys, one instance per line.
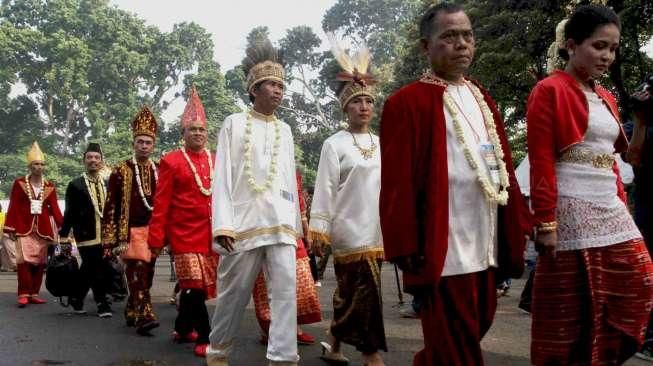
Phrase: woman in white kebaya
x=345 y=215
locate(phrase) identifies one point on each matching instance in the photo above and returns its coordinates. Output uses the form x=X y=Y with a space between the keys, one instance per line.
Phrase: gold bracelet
x=547 y=227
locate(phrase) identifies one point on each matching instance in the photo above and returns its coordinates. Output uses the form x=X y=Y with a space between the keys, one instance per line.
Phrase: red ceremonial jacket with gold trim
x=557 y=118
x=19 y=217
x=414 y=195
x=182 y=214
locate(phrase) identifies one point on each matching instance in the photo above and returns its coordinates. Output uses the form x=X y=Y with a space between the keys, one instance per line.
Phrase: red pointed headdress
x=194 y=110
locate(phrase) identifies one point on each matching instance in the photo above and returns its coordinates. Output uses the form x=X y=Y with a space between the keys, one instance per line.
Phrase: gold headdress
x=144 y=123
x=262 y=62
x=35 y=154
x=355 y=71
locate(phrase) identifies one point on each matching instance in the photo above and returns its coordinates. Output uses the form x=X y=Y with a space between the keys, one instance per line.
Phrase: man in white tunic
x=256 y=216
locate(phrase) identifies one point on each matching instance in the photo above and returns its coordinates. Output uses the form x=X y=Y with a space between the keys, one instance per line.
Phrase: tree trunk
x=70 y=116
x=316 y=100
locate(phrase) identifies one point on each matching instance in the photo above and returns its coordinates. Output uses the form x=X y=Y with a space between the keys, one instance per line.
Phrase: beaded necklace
x=94 y=199
x=139 y=181
x=198 y=180
x=272 y=169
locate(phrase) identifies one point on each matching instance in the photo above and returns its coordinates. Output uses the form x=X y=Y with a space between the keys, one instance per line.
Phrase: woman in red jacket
x=592 y=292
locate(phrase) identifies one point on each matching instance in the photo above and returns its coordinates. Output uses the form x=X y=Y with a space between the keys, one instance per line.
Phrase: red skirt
x=308 y=303
x=591 y=306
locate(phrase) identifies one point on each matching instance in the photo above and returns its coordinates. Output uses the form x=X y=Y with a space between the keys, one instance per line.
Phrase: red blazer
x=557 y=118
x=19 y=218
x=415 y=185
x=182 y=214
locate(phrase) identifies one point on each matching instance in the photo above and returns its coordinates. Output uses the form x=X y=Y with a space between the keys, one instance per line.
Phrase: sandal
x=332 y=358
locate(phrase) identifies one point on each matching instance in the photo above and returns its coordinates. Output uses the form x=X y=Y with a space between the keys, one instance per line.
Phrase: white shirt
x=589 y=212
x=472 y=242
x=345 y=204
x=255 y=219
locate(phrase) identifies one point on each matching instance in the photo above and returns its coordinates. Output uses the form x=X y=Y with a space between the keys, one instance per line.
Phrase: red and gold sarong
x=308 y=303
x=197 y=271
x=591 y=306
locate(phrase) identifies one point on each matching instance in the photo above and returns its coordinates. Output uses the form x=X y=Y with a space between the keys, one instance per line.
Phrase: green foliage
x=59 y=170
x=218 y=102
x=308 y=106
x=88 y=68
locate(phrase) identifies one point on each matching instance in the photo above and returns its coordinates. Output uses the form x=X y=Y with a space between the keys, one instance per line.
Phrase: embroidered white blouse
x=589 y=212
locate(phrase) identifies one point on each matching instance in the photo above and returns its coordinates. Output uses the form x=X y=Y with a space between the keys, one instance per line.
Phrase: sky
x=229 y=22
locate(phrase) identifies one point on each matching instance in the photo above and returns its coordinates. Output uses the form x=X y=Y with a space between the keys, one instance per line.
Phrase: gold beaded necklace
x=366 y=153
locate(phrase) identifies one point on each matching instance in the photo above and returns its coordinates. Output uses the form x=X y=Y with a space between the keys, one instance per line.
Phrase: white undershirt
x=472 y=244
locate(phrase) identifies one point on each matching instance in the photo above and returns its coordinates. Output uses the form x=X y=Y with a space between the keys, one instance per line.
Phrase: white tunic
x=254 y=219
x=472 y=242
x=589 y=212
x=345 y=204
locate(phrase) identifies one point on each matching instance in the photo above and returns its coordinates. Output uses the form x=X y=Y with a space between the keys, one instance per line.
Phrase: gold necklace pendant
x=366 y=153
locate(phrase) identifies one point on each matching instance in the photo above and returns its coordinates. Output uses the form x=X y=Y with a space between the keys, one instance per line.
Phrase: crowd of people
x=435 y=194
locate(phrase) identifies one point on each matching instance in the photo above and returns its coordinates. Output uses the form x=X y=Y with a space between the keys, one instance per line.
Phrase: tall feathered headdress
x=354 y=71
x=262 y=62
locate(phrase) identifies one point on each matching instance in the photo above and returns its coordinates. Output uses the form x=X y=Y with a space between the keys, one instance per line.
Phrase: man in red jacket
x=452 y=215
x=182 y=218
x=33 y=219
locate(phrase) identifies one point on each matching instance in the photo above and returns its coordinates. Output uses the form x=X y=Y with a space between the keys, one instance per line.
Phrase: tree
x=88 y=68
x=217 y=100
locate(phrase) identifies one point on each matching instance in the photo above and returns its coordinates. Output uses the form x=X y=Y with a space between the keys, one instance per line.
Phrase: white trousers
x=236 y=276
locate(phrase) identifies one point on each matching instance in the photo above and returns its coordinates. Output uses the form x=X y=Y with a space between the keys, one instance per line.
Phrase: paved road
x=50 y=335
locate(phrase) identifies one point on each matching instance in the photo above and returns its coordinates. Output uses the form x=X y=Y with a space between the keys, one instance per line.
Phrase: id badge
x=287 y=196
x=36 y=206
x=490 y=158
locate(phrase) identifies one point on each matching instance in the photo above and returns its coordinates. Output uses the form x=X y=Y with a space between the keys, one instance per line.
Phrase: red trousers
x=30 y=277
x=455 y=317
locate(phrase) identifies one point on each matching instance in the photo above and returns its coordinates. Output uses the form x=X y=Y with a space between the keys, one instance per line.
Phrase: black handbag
x=117 y=283
x=62 y=277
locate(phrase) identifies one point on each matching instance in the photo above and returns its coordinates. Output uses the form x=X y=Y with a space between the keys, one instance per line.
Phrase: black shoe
x=145 y=327
x=646 y=352
x=524 y=307
x=104 y=310
x=118 y=298
x=78 y=306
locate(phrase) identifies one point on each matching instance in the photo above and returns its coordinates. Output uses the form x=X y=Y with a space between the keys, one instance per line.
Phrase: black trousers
x=93 y=275
x=193 y=315
x=313 y=263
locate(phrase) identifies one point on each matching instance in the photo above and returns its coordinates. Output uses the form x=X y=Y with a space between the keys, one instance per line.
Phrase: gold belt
x=601 y=161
